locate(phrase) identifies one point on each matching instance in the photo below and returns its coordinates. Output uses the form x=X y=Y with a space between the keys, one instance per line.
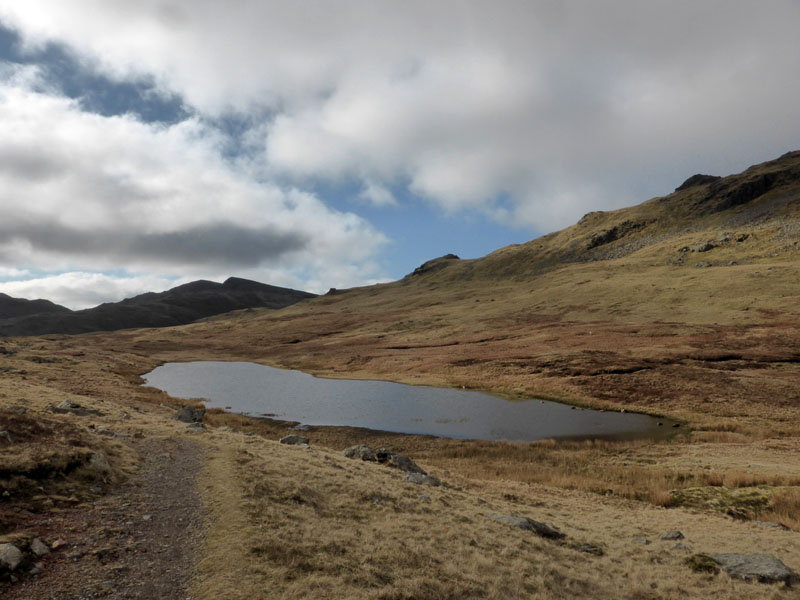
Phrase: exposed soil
x=138 y=541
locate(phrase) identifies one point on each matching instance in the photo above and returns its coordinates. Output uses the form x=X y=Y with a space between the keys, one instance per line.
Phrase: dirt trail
x=138 y=542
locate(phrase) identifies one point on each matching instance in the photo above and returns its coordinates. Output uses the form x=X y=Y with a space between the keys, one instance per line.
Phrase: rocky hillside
x=177 y=306
x=708 y=220
x=20 y=307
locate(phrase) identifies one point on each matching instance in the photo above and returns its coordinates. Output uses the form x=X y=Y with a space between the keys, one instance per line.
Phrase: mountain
x=20 y=307
x=177 y=306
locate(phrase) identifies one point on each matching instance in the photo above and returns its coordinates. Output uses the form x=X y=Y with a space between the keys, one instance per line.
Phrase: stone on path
x=10 y=556
x=39 y=548
x=542 y=529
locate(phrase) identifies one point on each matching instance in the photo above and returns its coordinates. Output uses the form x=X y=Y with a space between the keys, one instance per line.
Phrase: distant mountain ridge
x=20 y=307
x=178 y=306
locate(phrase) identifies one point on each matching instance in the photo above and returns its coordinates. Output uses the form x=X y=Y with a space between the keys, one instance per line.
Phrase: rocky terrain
x=685 y=306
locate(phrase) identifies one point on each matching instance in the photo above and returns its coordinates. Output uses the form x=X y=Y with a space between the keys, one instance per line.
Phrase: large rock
x=764 y=568
x=68 y=406
x=361 y=451
x=397 y=461
x=190 y=414
x=671 y=534
x=10 y=556
x=421 y=479
x=541 y=529
x=294 y=440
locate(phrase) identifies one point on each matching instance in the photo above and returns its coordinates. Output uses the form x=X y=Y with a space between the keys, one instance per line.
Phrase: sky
x=318 y=144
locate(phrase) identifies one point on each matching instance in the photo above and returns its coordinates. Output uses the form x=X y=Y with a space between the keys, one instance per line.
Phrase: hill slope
x=19 y=307
x=177 y=306
x=686 y=305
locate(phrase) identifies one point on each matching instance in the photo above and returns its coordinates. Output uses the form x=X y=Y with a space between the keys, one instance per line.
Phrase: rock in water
x=542 y=529
x=764 y=568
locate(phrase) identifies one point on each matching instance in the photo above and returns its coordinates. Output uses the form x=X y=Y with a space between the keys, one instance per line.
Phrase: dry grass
x=784 y=508
x=310 y=522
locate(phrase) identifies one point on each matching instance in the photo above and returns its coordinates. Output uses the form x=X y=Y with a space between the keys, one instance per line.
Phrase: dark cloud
x=216 y=245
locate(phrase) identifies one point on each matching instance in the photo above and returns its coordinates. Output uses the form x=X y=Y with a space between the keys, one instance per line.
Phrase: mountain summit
x=177 y=306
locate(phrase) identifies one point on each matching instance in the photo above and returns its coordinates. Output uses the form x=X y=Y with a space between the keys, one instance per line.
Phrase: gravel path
x=138 y=542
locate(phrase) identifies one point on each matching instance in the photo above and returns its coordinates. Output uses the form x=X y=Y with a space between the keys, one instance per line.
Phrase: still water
x=261 y=391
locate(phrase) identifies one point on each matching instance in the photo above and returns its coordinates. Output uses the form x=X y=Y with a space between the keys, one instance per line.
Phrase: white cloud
x=83 y=192
x=468 y=101
x=377 y=194
x=77 y=290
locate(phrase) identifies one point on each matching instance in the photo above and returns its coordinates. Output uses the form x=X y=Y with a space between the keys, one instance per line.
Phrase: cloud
x=582 y=105
x=77 y=290
x=83 y=192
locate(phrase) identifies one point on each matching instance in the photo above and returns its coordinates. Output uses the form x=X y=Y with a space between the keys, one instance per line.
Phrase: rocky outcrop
x=361 y=451
x=764 y=568
x=398 y=461
x=294 y=440
x=68 y=406
x=541 y=529
x=434 y=264
x=421 y=479
x=696 y=180
x=190 y=414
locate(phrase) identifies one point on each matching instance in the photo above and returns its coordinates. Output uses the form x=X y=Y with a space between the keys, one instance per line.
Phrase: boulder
x=68 y=406
x=421 y=479
x=703 y=247
x=294 y=440
x=190 y=414
x=361 y=451
x=764 y=568
x=10 y=556
x=589 y=549
x=397 y=461
x=542 y=529
x=671 y=534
